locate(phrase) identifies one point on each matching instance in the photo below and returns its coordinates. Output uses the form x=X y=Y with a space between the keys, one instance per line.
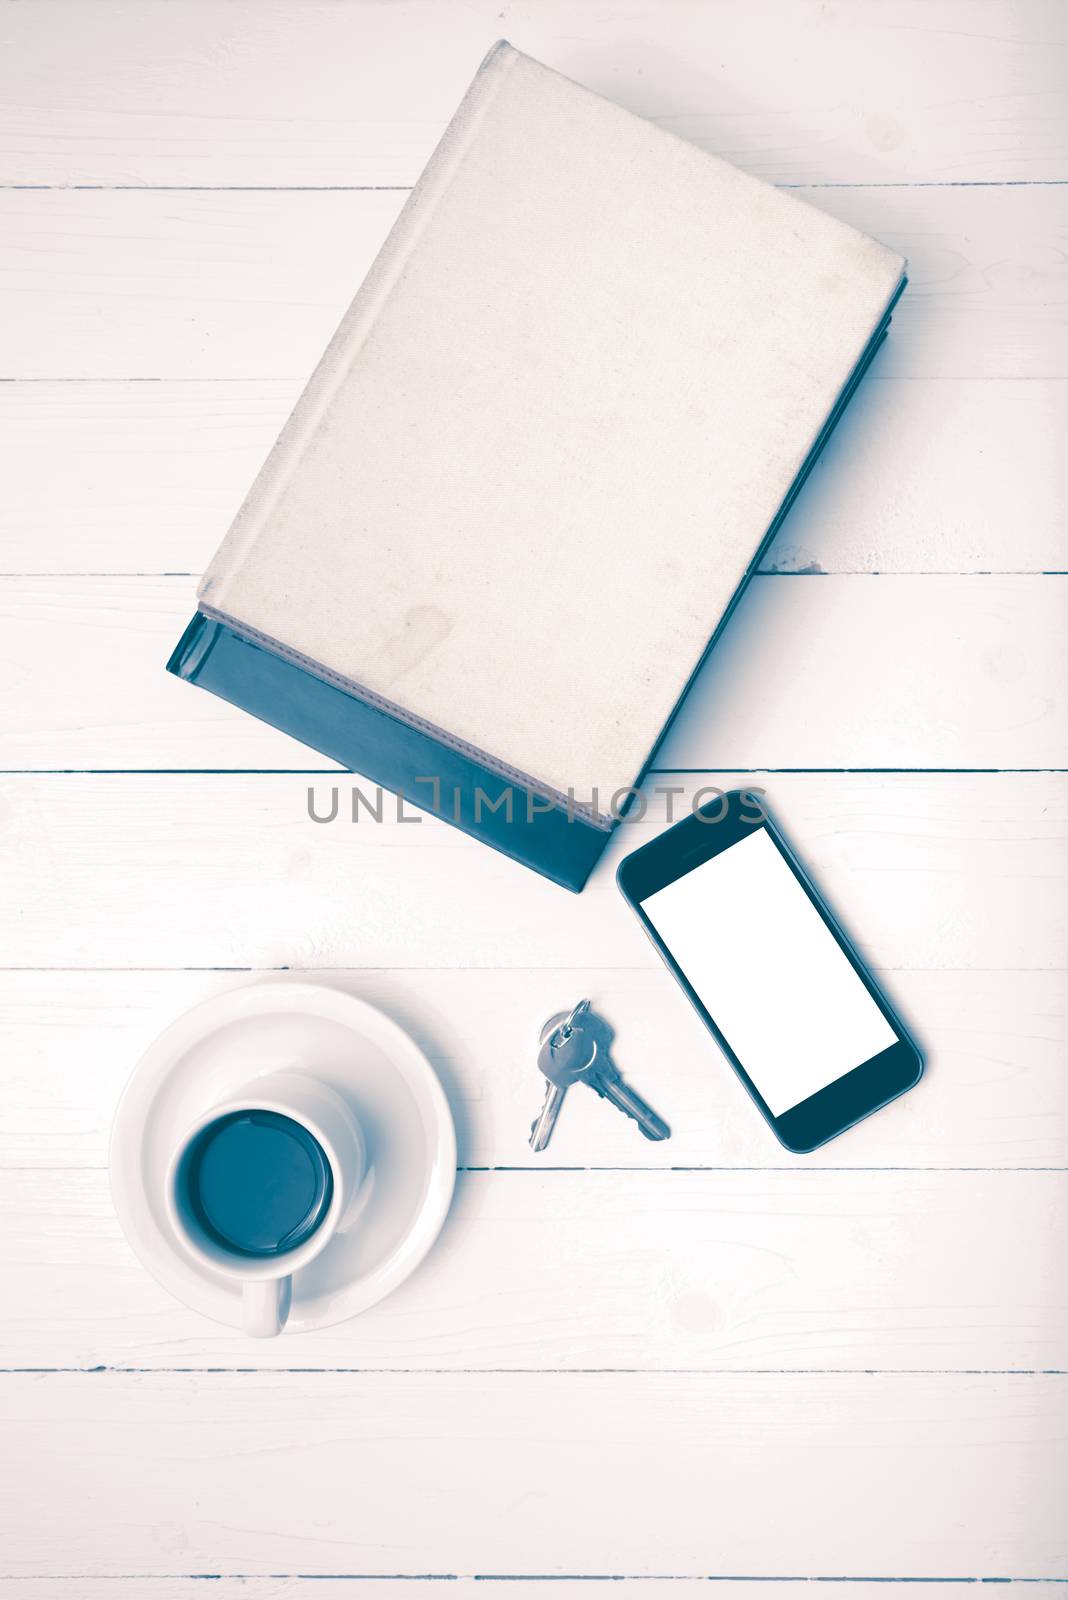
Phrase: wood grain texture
x=956 y=671
x=252 y=285
x=995 y=1093
x=175 y=870
x=365 y=1473
x=913 y=479
x=633 y=1271
x=296 y=93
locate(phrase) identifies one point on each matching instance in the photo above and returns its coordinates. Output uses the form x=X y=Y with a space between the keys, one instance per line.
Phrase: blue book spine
x=555 y=840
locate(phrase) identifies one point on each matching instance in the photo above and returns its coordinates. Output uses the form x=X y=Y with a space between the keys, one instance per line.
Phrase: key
x=576 y=1049
x=562 y=1058
x=607 y=1081
x=610 y=1086
x=566 y=1053
x=541 y=1129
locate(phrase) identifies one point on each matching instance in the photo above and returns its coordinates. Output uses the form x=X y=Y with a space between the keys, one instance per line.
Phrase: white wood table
x=629 y=1362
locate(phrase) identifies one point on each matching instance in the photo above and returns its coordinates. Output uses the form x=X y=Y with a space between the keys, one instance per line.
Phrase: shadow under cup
x=255 y=1183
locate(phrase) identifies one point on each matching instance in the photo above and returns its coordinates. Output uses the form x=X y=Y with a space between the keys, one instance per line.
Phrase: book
x=557 y=428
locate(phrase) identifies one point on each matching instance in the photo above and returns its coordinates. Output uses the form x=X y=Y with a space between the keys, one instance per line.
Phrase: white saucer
x=366 y=1058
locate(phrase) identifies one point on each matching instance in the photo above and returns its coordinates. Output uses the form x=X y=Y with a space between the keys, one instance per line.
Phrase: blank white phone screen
x=768 y=971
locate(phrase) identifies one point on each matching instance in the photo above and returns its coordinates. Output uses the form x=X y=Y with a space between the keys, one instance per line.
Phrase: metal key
x=566 y=1054
x=575 y=1049
x=607 y=1080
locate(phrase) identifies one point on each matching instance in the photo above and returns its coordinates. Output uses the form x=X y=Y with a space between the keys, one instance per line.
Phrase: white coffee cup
x=267 y=1284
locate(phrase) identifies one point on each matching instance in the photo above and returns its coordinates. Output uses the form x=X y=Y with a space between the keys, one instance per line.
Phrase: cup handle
x=265 y=1306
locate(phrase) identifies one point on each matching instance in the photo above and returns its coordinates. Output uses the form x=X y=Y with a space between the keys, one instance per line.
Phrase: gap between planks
x=406 y=188
x=478 y=1586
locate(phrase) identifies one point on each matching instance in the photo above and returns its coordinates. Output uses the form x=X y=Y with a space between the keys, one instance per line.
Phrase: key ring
x=566 y=1027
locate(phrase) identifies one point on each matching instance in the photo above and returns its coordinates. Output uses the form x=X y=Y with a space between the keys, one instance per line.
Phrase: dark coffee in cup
x=258 y=1183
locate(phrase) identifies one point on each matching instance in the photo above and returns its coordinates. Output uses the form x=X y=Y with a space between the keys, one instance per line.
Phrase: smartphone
x=769 y=970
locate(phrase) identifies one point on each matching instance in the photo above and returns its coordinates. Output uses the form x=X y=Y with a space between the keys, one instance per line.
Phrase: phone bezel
x=708 y=831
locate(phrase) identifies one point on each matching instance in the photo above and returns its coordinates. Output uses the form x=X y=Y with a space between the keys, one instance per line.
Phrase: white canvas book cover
x=551 y=434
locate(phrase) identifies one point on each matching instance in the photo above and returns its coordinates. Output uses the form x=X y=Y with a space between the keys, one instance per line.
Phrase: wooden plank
x=986 y=688
x=354 y=94
x=208 y=870
x=913 y=480
x=995 y=1092
x=910 y=1475
x=152 y=473
x=650 y=1271
x=252 y=285
x=946 y=672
